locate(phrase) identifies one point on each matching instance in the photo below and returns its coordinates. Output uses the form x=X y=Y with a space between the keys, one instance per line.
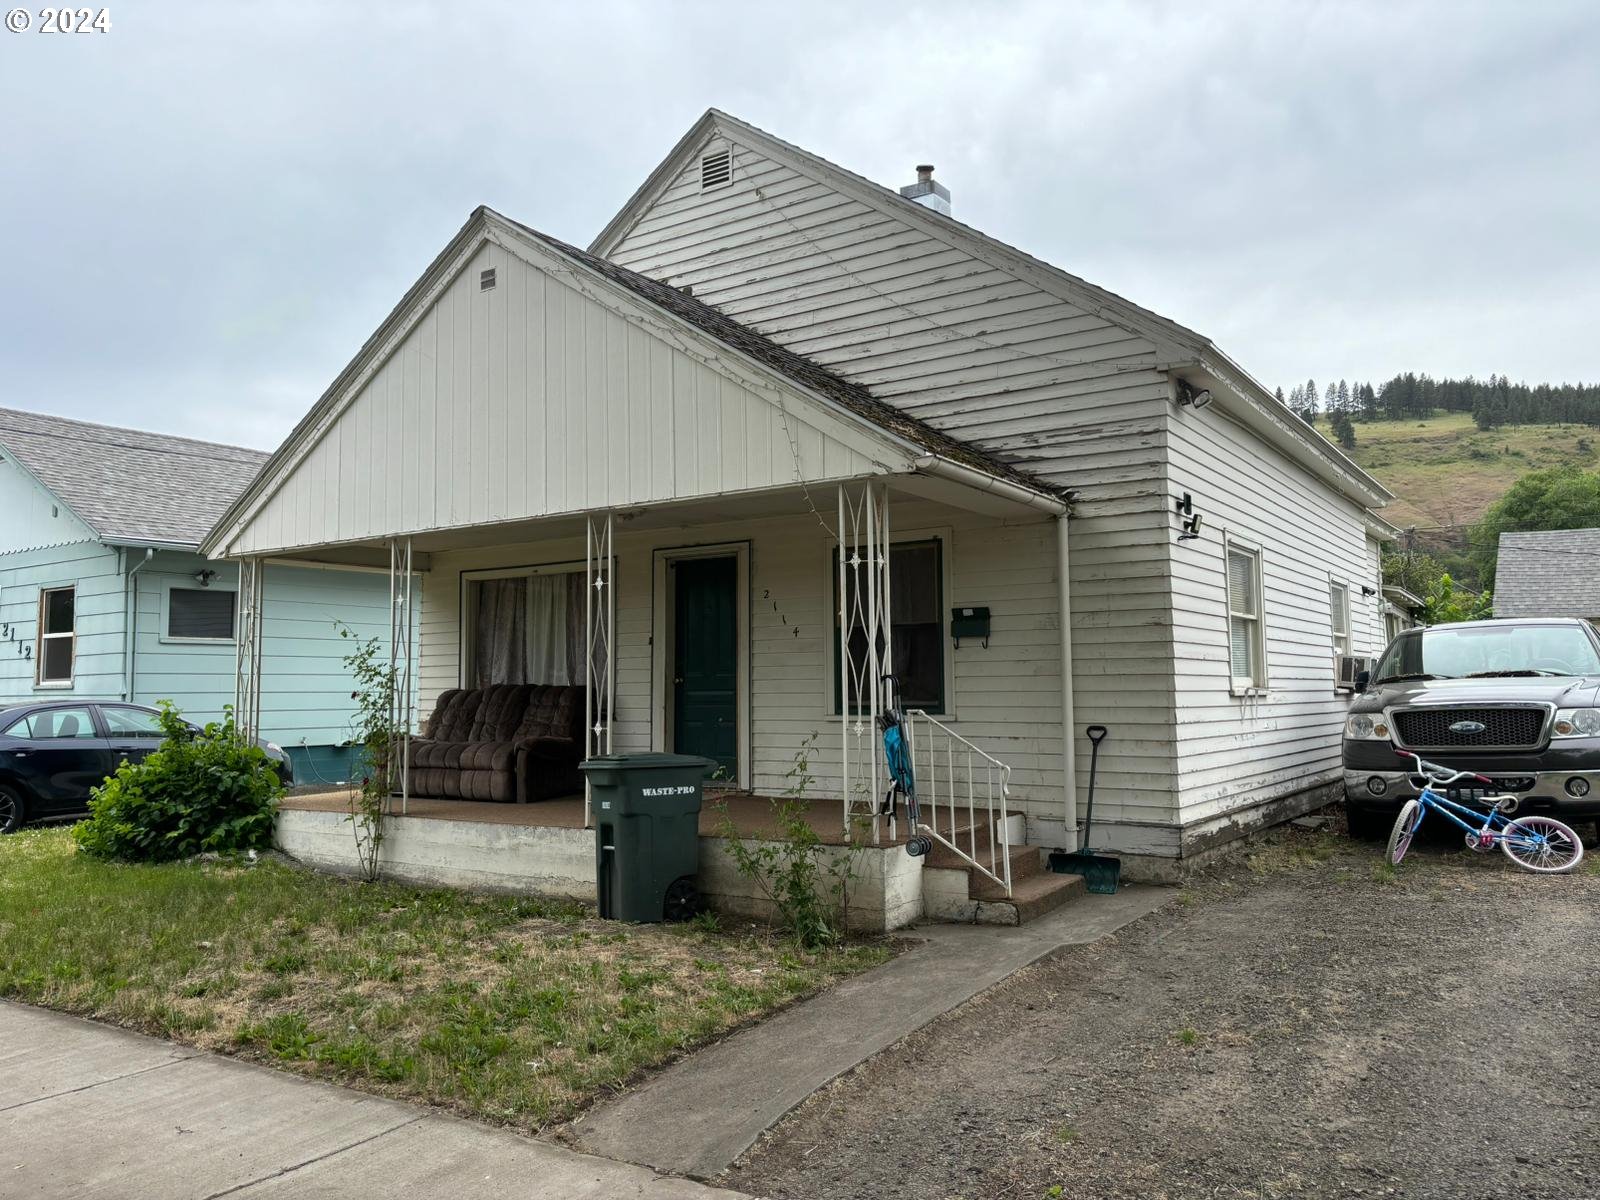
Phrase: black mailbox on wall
x=969 y=623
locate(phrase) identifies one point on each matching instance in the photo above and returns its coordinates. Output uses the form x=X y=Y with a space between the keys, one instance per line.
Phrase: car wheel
x=1366 y=824
x=13 y=812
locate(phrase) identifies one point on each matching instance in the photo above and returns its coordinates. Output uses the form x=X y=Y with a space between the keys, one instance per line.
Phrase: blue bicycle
x=1534 y=843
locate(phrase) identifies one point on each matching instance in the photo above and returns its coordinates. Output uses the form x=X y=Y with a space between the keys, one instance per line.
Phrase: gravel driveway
x=1304 y=1022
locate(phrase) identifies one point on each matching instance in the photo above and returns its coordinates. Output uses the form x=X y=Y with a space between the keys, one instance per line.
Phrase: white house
x=769 y=362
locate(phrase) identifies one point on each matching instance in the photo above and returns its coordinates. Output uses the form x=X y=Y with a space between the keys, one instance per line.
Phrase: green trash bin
x=647 y=834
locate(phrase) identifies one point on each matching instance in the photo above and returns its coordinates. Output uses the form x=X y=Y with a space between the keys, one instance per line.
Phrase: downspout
x=130 y=616
x=1069 y=744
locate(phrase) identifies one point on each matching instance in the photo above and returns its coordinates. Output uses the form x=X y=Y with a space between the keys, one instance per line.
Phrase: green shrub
x=203 y=790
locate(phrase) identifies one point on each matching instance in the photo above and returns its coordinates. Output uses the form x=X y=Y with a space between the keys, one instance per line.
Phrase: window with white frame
x=199 y=614
x=527 y=625
x=57 y=636
x=1339 y=606
x=1247 y=651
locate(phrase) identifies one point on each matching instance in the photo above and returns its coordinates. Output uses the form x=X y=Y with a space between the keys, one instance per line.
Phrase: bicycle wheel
x=1542 y=844
x=1405 y=828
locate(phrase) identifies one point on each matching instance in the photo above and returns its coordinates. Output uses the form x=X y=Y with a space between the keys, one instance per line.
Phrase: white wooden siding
x=1007 y=698
x=1234 y=751
x=534 y=398
x=988 y=358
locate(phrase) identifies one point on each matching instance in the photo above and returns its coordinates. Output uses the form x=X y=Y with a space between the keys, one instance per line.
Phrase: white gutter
x=130 y=618
x=1069 y=745
x=944 y=468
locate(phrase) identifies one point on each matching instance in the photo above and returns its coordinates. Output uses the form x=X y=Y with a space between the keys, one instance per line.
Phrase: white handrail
x=988 y=798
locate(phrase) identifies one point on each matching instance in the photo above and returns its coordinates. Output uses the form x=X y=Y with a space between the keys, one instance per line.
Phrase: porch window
x=1339 y=605
x=57 y=636
x=1246 y=638
x=526 y=627
x=916 y=602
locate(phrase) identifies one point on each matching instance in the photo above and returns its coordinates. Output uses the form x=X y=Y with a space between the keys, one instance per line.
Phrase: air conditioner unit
x=1348 y=666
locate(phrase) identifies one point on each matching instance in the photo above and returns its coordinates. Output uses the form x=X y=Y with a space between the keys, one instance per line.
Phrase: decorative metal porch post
x=600 y=615
x=247 y=651
x=864 y=596
x=402 y=657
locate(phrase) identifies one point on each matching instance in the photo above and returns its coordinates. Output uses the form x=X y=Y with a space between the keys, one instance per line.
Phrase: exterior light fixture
x=205 y=576
x=1196 y=400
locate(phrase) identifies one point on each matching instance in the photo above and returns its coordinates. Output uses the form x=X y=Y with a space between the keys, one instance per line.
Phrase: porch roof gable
x=874 y=435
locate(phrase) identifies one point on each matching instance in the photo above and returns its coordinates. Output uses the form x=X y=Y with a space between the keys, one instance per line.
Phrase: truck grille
x=1504 y=728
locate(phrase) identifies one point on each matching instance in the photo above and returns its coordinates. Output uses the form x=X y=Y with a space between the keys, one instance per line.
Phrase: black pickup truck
x=1517 y=700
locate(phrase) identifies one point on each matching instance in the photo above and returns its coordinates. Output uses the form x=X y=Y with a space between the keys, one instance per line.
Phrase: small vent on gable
x=486 y=280
x=716 y=169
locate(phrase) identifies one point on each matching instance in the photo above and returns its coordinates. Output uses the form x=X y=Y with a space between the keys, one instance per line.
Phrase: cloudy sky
x=207 y=209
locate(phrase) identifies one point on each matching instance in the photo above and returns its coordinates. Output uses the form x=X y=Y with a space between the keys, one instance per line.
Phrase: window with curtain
x=526 y=628
x=201 y=614
x=1246 y=641
x=916 y=602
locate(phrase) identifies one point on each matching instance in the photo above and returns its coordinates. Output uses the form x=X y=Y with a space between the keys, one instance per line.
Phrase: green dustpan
x=1101 y=873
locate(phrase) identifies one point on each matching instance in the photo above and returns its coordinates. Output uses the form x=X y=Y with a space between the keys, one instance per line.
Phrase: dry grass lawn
x=512 y=1009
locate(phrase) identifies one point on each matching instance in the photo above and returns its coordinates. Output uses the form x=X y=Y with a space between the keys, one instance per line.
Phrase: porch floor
x=752 y=814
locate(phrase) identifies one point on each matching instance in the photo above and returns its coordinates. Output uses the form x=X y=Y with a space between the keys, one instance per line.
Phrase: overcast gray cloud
x=209 y=208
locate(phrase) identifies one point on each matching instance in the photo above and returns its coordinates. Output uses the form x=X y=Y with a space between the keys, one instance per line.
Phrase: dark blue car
x=52 y=753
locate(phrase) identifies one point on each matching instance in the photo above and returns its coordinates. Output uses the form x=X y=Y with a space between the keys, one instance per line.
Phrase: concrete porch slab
x=699 y=1115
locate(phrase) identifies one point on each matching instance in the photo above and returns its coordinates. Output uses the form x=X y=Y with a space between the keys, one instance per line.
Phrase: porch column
x=402 y=659
x=600 y=613
x=864 y=660
x=247 y=650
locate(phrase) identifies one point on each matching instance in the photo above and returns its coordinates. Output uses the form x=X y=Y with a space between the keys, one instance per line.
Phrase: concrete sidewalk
x=91 y=1111
x=704 y=1111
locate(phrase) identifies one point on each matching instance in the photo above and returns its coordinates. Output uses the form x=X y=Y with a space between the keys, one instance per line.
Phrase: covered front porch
x=580 y=479
x=744 y=663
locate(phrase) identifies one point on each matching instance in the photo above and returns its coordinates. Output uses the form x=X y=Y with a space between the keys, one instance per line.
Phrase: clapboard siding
x=1007 y=698
x=99 y=621
x=990 y=358
x=1235 y=751
x=305 y=689
x=33 y=516
x=535 y=398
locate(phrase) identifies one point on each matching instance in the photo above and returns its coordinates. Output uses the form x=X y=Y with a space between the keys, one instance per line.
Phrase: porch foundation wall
x=526 y=859
x=884 y=893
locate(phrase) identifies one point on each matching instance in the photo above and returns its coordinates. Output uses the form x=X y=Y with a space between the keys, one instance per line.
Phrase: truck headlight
x=1576 y=722
x=1367 y=727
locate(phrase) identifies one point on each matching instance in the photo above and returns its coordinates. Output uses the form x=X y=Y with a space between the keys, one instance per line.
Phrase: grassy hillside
x=1446 y=472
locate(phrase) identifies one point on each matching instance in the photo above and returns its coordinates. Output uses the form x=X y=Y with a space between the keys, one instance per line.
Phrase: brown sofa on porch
x=510 y=742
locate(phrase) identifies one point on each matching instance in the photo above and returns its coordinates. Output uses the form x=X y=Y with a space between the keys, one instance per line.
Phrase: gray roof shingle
x=128 y=485
x=1550 y=574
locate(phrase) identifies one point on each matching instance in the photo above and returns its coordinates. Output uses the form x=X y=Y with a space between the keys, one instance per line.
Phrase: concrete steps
x=954 y=891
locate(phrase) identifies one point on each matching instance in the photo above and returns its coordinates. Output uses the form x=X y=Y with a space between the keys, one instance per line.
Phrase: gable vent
x=716 y=169
x=486 y=280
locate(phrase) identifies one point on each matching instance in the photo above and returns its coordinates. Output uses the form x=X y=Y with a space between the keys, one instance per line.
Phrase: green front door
x=705 y=655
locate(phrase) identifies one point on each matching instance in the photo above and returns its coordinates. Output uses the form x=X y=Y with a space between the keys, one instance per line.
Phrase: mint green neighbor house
x=104 y=595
